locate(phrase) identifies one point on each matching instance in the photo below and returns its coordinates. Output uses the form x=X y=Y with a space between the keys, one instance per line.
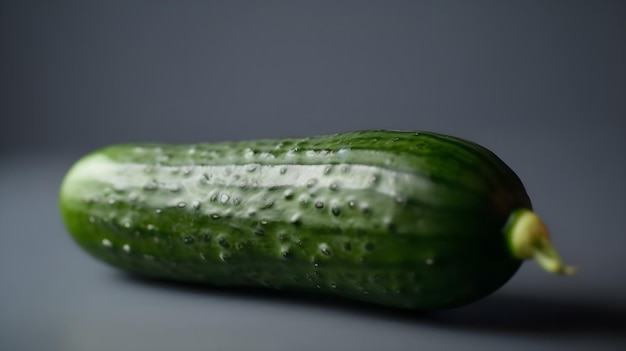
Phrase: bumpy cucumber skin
x=401 y=219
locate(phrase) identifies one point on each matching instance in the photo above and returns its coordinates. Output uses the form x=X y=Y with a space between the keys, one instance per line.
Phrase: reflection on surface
x=499 y=313
x=141 y=314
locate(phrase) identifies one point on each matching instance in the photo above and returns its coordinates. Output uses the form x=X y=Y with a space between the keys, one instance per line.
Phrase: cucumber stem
x=528 y=238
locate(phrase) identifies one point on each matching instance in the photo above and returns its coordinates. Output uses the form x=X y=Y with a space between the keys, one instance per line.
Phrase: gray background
x=541 y=83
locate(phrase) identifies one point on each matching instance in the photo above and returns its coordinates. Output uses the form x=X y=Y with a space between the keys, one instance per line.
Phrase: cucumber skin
x=401 y=219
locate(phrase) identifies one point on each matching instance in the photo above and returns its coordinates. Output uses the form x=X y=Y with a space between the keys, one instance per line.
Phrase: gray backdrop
x=541 y=83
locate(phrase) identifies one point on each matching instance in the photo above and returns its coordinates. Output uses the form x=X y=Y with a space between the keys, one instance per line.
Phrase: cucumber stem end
x=529 y=238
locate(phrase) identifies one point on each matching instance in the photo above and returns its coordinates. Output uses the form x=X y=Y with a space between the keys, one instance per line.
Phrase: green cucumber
x=404 y=219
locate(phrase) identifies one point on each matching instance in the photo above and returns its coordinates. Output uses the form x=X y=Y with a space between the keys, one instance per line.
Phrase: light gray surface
x=540 y=83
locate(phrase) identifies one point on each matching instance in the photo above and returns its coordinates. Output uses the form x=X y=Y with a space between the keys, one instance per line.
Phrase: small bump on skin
x=324 y=249
x=288 y=194
x=295 y=219
x=303 y=200
x=373 y=180
x=222 y=242
x=365 y=209
x=224 y=198
x=267 y=204
x=285 y=252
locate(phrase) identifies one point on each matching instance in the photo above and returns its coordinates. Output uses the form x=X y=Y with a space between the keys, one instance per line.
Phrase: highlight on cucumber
x=404 y=219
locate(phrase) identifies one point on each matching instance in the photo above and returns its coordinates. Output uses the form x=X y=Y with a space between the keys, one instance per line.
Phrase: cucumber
x=403 y=219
